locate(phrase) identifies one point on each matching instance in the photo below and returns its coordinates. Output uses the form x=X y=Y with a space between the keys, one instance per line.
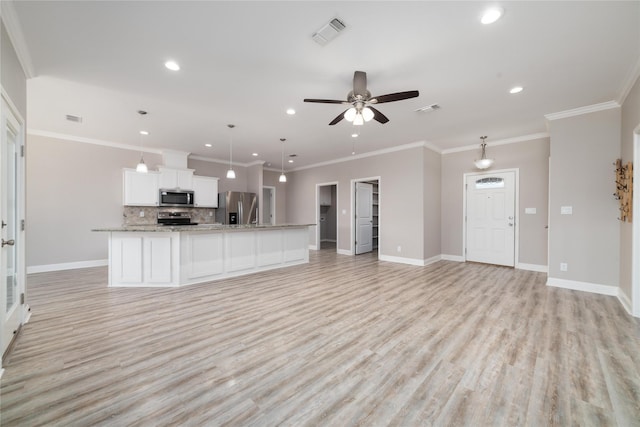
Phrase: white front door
x=364 y=217
x=10 y=286
x=491 y=218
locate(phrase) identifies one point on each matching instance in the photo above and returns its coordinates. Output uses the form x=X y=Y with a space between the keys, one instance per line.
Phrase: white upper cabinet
x=176 y=178
x=205 y=191
x=140 y=189
x=325 y=195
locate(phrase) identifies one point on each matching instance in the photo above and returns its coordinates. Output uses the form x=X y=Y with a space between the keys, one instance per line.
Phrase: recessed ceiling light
x=290 y=161
x=291 y=111
x=354 y=135
x=172 y=65
x=208 y=145
x=491 y=15
x=144 y=132
x=516 y=89
x=254 y=154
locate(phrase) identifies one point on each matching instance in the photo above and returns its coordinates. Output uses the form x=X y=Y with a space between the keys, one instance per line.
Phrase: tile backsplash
x=131 y=214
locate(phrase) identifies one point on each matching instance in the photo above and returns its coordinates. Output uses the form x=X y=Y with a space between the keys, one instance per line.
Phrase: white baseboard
x=328 y=240
x=1 y=372
x=401 y=260
x=456 y=258
x=66 y=266
x=344 y=252
x=625 y=301
x=532 y=267
x=313 y=247
x=432 y=260
x=575 y=285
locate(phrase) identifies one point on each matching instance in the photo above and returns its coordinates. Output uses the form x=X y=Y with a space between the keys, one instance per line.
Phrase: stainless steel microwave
x=170 y=197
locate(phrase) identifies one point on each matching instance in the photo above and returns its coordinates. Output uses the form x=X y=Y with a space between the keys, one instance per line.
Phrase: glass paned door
x=9 y=238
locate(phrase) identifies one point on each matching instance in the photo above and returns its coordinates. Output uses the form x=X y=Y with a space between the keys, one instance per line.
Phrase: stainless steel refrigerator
x=235 y=207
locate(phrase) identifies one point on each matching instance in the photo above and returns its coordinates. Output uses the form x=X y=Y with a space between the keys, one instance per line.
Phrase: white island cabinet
x=175 y=256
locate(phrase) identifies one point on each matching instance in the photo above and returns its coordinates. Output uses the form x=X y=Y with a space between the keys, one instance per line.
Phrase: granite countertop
x=199 y=227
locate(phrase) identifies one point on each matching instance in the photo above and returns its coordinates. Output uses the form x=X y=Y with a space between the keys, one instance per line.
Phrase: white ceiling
x=247 y=62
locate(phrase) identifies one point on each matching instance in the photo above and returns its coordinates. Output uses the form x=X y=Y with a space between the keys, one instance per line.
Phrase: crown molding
x=364 y=155
x=221 y=161
x=14 y=30
x=515 y=140
x=81 y=139
x=582 y=110
x=631 y=80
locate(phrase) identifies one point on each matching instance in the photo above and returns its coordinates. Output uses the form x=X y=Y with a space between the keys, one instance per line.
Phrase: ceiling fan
x=362 y=102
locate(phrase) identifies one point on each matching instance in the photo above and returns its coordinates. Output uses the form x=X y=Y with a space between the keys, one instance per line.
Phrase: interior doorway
x=490 y=217
x=366 y=218
x=268 y=211
x=327 y=216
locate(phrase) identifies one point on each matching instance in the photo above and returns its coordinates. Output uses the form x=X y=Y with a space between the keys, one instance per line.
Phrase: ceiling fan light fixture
x=358 y=120
x=367 y=114
x=350 y=114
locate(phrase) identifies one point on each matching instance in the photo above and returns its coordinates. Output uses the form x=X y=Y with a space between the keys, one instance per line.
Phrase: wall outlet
x=399 y=248
x=141 y=214
x=566 y=210
x=530 y=211
x=563 y=266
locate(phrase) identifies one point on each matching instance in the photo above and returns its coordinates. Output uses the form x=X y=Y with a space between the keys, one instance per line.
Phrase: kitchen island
x=170 y=256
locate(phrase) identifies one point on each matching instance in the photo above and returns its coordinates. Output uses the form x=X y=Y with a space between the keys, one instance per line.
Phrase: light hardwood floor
x=340 y=341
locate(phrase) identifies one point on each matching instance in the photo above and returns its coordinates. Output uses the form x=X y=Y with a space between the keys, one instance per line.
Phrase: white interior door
x=364 y=217
x=491 y=218
x=268 y=205
x=9 y=279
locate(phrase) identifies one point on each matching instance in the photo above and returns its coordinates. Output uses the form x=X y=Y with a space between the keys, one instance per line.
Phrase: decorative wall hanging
x=624 y=189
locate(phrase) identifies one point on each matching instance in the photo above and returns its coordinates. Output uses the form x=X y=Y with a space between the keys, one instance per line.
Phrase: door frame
x=325 y=184
x=272 y=189
x=516 y=243
x=352 y=231
x=635 y=229
x=23 y=312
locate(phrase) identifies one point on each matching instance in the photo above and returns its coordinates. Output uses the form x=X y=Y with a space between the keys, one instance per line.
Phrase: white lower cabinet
x=175 y=258
x=140 y=259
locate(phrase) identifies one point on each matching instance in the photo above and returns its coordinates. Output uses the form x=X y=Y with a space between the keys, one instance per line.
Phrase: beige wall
x=12 y=76
x=71 y=188
x=630 y=123
x=583 y=150
x=401 y=199
x=432 y=185
x=532 y=160
x=219 y=170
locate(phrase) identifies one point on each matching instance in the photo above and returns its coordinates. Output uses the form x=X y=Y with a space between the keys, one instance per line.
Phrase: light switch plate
x=530 y=211
x=566 y=210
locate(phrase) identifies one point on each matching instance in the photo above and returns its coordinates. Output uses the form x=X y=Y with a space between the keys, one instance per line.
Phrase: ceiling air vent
x=73 y=118
x=328 y=32
x=432 y=107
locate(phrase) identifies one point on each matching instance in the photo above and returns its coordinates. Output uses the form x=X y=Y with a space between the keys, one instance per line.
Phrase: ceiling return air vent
x=432 y=107
x=328 y=32
x=72 y=118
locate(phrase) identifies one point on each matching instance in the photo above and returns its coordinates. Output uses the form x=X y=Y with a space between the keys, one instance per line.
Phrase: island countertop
x=199 y=227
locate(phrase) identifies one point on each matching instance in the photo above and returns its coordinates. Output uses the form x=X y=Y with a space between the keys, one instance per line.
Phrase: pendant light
x=483 y=162
x=142 y=167
x=283 y=177
x=231 y=174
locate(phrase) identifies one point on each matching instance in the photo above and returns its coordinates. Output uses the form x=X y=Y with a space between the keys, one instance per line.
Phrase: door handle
x=510 y=224
x=8 y=242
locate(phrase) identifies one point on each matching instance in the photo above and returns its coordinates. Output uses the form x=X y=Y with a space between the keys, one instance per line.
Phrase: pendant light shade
x=231 y=174
x=283 y=177
x=483 y=162
x=142 y=167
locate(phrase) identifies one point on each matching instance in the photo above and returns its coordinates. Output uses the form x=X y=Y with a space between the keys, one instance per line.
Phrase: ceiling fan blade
x=378 y=116
x=360 y=83
x=338 y=118
x=399 y=96
x=326 y=101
